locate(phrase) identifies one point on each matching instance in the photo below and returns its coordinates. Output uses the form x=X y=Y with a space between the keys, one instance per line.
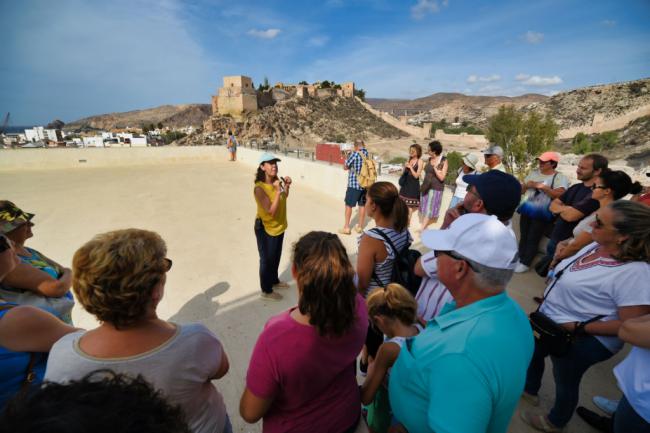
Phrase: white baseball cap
x=478 y=237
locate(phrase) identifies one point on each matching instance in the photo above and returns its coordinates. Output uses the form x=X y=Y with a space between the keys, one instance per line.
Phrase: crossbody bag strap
x=392 y=245
x=557 y=277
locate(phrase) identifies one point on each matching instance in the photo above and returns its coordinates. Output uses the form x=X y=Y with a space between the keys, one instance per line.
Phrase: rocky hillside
x=169 y=115
x=577 y=107
x=304 y=122
x=475 y=109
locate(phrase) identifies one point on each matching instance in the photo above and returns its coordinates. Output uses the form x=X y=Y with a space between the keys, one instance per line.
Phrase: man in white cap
x=466 y=371
x=493 y=157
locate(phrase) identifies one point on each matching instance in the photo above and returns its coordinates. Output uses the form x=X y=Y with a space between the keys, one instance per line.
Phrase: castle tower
x=236 y=97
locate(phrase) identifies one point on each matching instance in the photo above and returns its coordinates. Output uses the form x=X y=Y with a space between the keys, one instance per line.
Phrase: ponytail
x=393 y=301
x=386 y=197
x=636 y=188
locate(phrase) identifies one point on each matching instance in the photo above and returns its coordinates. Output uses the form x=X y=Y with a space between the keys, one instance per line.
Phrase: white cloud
x=487 y=79
x=536 y=80
x=318 y=41
x=264 y=34
x=608 y=23
x=533 y=37
x=424 y=7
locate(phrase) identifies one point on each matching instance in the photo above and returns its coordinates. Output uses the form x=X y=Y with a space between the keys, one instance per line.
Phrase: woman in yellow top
x=271 y=194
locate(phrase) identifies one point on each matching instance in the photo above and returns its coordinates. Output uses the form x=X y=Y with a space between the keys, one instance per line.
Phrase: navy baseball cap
x=500 y=192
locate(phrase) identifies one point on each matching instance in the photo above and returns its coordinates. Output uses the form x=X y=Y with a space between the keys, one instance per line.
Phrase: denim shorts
x=355 y=196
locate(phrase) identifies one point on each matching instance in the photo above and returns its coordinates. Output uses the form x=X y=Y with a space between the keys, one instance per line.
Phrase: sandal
x=539 y=422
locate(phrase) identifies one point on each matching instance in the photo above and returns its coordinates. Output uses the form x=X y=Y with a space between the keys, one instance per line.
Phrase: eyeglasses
x=169 y=263
x=544 y=162
x=598 y=222
x=455 y=256
x=5 y=244
x=594 y=187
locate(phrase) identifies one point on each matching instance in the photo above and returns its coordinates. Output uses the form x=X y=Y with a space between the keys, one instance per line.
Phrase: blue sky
x=69 y=59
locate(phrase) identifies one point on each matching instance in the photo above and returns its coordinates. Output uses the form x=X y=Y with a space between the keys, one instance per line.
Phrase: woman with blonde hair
x=301 y=376
x=393 y=311
x=119 y=277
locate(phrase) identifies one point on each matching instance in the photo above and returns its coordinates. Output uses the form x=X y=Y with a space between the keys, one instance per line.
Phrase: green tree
x=325 y=85
x=360 y=93
x=303 y=83
x=160 y=125
x=454 y=161
x=397 y=160
x=522 y=138
x=145 y=129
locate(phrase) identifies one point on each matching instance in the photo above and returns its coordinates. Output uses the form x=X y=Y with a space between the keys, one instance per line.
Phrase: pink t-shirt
x=312 y=378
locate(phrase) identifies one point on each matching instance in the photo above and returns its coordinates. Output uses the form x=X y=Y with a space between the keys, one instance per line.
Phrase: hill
x=169 y=115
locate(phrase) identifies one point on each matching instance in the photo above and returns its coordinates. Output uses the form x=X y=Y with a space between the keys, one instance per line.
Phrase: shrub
x=397 y=160
x=454 y=161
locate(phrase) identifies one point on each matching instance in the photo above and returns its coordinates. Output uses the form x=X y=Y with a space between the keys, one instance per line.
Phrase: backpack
x=368 y=173
x=403 y=266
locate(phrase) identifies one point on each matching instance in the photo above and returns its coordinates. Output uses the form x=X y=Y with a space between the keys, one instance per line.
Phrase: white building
x=94 y=141
x=38 y=133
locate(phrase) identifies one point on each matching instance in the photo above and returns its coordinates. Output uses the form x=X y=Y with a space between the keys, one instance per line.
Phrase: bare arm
x=252 y=408
x=30 y=329
x=611 y=327
x=418 y=269
x=553 y=193
x=442 y=173
x=263 y=199
x=636 y=331
x=386 y=356
x=28 y=277
x=366 y=261
x=570 y=248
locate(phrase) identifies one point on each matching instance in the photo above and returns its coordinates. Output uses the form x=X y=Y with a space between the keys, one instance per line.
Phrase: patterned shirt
x=354 y=163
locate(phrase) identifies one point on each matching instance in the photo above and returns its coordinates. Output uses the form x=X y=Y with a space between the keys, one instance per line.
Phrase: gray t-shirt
x=181 y=368
x=560 y=181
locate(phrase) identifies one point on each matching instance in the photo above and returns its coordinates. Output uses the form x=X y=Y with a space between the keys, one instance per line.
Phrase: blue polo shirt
x=466 y=371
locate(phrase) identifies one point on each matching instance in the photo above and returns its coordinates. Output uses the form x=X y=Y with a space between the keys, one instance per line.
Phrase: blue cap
x=500 y=192
x=268 y=157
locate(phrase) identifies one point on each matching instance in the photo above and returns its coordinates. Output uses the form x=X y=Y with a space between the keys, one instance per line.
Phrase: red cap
x=549 y=156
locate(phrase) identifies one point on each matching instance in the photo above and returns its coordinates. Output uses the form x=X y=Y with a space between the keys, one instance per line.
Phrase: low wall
x=471 y=141
x=599 y=124
x=321 y=176
x=421 y=133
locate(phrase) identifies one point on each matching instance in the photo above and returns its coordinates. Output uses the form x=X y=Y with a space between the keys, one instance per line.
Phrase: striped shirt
x=354 y=163
x=384 y=270
x=432 y=294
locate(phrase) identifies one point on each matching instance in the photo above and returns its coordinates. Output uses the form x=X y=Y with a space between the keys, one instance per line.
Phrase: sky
x=69 y=59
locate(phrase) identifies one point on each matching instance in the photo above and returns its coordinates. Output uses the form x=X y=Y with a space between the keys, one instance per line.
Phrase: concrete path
x=205 y=212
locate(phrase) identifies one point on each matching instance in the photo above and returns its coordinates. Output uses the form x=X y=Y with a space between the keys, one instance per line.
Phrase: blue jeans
x=454 y=201
x=627 y=420
x=567 y=371
x=270 y=250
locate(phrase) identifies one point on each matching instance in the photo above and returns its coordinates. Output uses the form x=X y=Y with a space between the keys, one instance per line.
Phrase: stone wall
x=415 y=131
x=601 y=124
x=463 y=140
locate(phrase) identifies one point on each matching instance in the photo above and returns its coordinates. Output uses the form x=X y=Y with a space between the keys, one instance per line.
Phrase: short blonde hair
x=115 y=273
x=393 y=301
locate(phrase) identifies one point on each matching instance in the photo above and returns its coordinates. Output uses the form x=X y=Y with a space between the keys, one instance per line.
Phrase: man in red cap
x=541 y=187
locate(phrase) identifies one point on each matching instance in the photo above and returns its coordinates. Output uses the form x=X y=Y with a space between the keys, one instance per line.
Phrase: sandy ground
x=205 y=212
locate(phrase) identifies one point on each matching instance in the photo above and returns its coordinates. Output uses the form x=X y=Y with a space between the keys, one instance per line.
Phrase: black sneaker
x=600 y=423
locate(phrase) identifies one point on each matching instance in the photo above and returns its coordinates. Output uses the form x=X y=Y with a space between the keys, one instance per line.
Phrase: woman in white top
x=119 y=277
x=376 y=256
x=468 y=167
x=606 y=279
x=609 y=186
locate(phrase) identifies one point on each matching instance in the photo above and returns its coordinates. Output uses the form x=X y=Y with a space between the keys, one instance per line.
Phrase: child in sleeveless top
x=392 y=310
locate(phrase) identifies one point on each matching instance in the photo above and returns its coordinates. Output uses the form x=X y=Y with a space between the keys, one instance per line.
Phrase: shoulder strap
x=387 y=239
x=553 y=180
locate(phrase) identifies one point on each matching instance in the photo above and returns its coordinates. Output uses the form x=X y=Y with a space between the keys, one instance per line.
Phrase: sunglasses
x=455 y=256
x=598 y=223
x=169 y=263
x=595 y=187
x=4 y=244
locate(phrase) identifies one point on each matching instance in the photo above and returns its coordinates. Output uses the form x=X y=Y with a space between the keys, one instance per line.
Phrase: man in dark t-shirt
x=576 y=203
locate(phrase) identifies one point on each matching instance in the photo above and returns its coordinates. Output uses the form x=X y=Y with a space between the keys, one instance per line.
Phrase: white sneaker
x=606 y=405
x=521 y=268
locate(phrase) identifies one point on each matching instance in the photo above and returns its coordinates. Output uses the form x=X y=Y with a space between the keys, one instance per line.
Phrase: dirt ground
x=205 y=212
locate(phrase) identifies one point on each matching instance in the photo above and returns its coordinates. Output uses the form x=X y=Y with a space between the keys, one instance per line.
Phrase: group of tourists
x=453 y=353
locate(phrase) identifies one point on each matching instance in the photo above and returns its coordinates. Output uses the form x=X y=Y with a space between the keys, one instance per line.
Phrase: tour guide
x=271 y=194
x=465 y=372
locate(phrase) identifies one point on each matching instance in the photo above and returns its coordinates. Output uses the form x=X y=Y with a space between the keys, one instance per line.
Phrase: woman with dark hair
x=119 y=277
x=410 y=179
x=231 y=144
x=610 y=186
x=301 y=376
x=376 y=254
x=271 y=193
x=433 y=185
x=591 y=294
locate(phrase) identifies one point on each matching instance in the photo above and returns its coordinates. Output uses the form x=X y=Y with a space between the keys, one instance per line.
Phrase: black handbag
x=553 y=337
x=402 y=178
